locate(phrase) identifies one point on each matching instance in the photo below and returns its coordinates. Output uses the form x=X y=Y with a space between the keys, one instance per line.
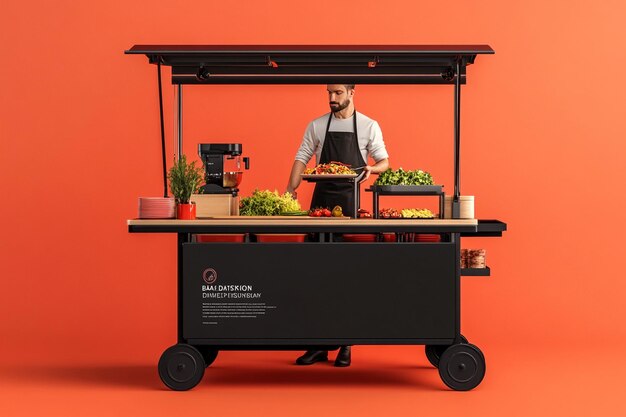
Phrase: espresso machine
x=223 y=173
x=222 y=166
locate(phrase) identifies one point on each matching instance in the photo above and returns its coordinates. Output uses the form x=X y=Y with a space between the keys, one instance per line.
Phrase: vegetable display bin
x=272 y=238
x=235 y=238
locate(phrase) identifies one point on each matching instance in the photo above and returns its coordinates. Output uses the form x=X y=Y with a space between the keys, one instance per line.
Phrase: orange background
x=88 y=308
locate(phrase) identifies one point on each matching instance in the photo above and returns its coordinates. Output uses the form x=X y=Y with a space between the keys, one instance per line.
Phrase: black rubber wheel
x=462 y=367
x=208 y=354
x=434 y=352
x=181 y=367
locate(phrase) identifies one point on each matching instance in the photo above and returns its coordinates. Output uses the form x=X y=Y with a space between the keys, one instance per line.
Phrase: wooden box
x=210 y=205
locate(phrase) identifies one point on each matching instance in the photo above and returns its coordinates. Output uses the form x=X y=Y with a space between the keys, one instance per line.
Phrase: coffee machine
x=222 y=166
x=223 y=174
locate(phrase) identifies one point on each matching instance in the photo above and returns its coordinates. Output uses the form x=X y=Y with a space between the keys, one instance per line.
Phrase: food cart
x=277 y=296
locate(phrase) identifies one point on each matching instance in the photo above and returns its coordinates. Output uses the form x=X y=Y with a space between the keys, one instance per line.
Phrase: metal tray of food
x=327 y=176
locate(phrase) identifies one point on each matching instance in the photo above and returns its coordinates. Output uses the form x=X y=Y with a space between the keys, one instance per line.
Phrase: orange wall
x=543 y=132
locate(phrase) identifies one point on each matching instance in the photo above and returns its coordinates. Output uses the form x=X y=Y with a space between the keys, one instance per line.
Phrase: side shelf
x=487 y=228
x=476 y=272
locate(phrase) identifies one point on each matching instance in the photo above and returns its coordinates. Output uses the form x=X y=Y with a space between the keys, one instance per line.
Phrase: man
x=343 y=135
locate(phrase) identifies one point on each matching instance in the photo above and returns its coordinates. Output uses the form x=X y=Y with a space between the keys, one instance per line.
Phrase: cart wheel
x=434 y=352
x=209 y=354
x=181 y=367
x=462 y=367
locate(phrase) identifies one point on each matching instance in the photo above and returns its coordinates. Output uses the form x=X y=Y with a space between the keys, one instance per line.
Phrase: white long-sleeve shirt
x=370 y=137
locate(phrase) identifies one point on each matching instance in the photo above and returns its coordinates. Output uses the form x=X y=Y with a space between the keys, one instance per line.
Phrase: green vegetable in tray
x=295 y=213
x=267 y=203
x=402 y=177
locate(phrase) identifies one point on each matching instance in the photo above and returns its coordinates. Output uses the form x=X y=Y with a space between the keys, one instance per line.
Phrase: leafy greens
x=402 y=177
x=267 y=203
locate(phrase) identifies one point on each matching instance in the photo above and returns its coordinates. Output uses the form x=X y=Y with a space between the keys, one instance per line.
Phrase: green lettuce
x=267 y=203
x=402 y=177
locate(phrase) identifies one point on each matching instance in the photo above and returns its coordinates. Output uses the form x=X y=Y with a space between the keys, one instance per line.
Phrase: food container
x=473 y=258
x=476 y=258
x=361 y=237
x=421 y=237
x=466 y=210
x=272 y=238
x=235 y=237
x=389 y=237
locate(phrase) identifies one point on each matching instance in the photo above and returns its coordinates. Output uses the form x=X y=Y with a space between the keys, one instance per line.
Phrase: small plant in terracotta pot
x=185 y=179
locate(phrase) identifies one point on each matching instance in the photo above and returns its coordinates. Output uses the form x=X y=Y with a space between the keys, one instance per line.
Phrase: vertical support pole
x=442 y=206
x=357 y=198
x=375 y=204
x=456 y=210
x=162 y=129
x=456 y=237
x=181 y=238
x=179 y=114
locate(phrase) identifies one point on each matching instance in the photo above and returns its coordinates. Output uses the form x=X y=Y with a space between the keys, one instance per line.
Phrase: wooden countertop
x=293 y=221
x=298 y=224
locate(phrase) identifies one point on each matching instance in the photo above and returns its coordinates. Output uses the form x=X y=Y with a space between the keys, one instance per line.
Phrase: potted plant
x=185 y=179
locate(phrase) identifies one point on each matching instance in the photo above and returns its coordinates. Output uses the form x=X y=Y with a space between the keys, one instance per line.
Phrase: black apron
x=338 y=147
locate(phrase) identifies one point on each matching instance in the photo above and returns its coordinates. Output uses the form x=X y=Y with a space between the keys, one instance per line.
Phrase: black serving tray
x=405 y=189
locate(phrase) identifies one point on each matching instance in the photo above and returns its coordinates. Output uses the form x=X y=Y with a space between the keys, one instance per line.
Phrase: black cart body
x=244 y=296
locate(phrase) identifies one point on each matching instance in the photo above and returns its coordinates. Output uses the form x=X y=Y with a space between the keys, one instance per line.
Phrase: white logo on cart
x=209 y=276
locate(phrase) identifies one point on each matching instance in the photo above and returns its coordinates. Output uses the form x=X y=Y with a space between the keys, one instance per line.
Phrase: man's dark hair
x=350 y=86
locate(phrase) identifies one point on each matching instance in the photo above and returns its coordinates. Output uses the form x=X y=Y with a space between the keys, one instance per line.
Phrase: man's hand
x=292 y=192
x=377 y=168
x=368 y=171
x=294 y=178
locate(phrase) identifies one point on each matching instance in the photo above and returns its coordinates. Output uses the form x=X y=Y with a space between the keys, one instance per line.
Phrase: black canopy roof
x=313 y=64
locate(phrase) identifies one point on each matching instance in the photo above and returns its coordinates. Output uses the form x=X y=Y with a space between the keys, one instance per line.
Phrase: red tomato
x=326 y=212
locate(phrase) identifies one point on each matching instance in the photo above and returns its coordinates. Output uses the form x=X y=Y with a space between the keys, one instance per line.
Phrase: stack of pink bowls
x=157 y=208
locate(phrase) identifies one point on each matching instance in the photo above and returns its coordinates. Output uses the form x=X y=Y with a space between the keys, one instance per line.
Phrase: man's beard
x=339 y=107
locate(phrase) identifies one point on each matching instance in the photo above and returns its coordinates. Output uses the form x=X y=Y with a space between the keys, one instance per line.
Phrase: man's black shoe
x=343 y=357
x=312 y=356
